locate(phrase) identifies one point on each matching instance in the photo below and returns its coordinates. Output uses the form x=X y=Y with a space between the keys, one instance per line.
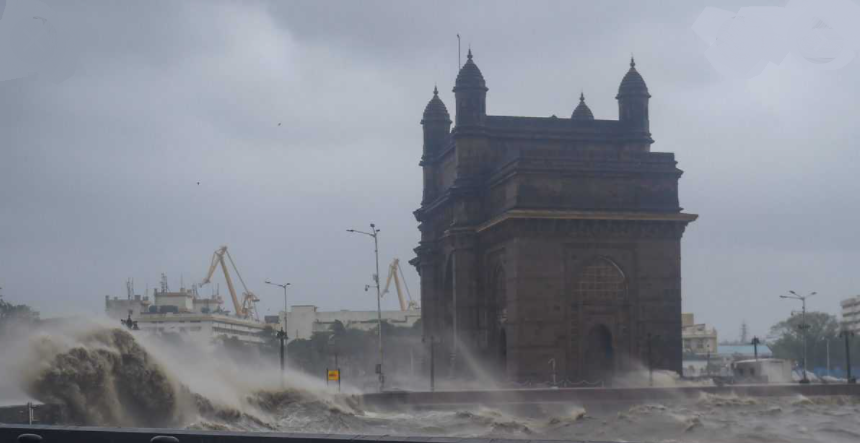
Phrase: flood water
x=109 y=377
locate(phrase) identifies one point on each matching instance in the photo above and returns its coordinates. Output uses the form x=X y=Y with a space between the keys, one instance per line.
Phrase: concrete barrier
x=59 y=434
x=582 y=396
x=42 y=414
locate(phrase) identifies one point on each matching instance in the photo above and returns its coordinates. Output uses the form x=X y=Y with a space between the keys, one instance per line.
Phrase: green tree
x=11 y=313
x=21 y=312
x=823 y=328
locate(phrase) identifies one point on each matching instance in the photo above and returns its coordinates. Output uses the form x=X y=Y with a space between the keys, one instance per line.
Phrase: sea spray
x=106 y=378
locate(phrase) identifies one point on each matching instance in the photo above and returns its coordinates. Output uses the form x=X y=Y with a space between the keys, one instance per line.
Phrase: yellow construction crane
x=393 y=271
x=247 y=308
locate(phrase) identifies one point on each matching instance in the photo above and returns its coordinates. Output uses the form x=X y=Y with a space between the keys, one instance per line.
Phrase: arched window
x=601 y=281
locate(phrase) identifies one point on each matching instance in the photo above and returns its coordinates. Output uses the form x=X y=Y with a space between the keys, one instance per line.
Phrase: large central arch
x=600 y=286
x=599 y=354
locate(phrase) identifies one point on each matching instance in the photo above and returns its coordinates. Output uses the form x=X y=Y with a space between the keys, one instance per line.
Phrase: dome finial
x=469 y=55
x=469 y=76
x=582 y=113
x=435 y=109
x=632 y=61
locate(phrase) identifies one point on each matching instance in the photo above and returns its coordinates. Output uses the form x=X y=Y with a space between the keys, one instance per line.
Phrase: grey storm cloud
x=301 y=119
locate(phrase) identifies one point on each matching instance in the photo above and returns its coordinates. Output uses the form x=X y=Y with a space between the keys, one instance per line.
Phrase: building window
x=601 y=281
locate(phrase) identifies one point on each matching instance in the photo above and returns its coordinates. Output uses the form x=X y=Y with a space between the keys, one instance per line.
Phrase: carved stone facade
x=549 y=239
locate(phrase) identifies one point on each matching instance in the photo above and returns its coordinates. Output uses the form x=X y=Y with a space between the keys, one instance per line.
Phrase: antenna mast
x=164 y=287
x=459 y=65
x=129 y=288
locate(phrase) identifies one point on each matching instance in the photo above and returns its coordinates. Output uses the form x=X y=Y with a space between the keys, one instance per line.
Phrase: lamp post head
x=792 y=292
x=268 y=282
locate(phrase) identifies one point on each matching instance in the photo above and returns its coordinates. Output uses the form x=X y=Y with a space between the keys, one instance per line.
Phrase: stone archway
x=596 y=312
x=599 y=361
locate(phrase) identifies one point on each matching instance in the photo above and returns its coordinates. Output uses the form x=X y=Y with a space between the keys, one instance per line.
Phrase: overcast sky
x=112 y=112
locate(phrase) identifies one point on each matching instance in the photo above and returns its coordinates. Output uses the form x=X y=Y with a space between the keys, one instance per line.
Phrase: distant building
x=116 y=308
x=697 y=338
x=743 y=352
x=207 y=327
x=184 y=313
x=304 y=320
x=185 y=301
x=851 y=313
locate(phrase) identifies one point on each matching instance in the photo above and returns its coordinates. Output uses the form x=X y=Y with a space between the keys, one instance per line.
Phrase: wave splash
x=106 y=376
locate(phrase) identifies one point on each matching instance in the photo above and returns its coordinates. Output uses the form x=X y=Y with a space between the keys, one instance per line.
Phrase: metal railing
x=60 y=434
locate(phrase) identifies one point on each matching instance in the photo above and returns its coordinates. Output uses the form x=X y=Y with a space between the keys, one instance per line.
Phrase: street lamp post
x=755 y=343
x=282 y=334
x=374 y=232
x=803 y=326
x=846 y=334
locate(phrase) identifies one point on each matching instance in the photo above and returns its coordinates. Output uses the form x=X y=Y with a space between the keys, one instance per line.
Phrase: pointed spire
x=632 y=83
x=470 y=76
x=582 y=112
x=435 y=109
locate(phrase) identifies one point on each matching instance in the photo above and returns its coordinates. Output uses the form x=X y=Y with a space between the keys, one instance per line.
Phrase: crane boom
x=244 y=309
x=249 y=299
x=412 y=304
x=393 y=269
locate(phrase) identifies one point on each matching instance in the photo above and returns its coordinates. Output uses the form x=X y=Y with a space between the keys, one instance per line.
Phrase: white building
x=304 y=320
x=117 y=308
x=697 y=338
x=185 y=314
x=851 y=313
x=207 y=327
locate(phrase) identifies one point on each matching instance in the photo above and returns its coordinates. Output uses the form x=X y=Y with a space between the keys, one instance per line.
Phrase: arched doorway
x=599 y=354
x=599 y=288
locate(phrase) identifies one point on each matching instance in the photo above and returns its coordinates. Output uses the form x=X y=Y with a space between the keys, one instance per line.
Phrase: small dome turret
x=632 y=84
x=470 y=93
x=633 y=101
x=582 y=112
x=436 y=110
x=470 y=76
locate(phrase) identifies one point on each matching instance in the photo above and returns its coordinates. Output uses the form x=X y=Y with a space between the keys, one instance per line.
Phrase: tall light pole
x=755 y=342
x=282 y=335
x=375 y=234
x=803 y=326
x=846 y=334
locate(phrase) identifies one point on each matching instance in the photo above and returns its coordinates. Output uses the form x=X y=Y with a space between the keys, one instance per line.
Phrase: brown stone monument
x=549 y=239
